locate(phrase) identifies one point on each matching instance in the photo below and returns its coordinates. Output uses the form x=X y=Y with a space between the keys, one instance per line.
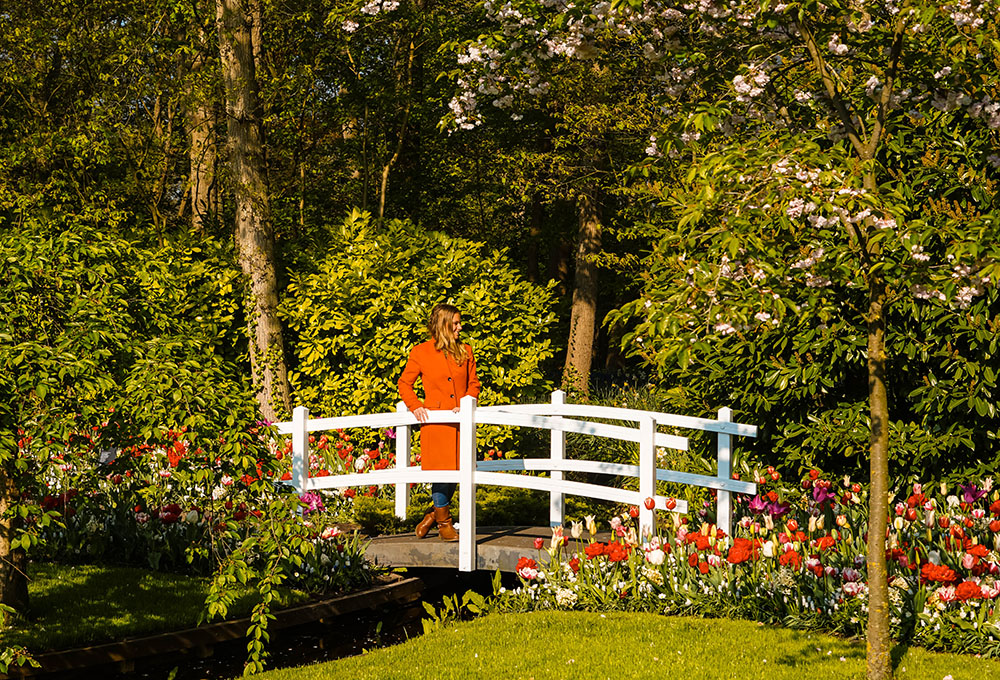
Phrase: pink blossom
x=851 y=575
x=946 y=593
x=853 y=588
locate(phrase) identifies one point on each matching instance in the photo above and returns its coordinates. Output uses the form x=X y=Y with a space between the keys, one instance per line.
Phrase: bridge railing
x=558 y=417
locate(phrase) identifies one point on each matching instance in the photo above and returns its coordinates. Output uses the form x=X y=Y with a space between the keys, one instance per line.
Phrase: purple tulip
x=313 y=501
x=779 y=509
x=822 y=495
x=971 y=493
x=757 y=505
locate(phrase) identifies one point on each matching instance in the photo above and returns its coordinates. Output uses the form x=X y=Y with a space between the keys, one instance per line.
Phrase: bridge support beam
x=724 y=500
x=402 y=462
x=647 y=476
x=557 y=451
x=300 y=448
x=467 y=484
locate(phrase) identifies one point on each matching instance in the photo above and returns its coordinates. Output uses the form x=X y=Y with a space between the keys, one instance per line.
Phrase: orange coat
x=445 y=382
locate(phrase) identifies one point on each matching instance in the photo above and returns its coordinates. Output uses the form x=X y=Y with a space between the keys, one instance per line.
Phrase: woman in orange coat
x=448 y=372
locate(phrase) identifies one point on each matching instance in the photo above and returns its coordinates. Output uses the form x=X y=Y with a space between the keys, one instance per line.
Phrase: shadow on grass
x=78 y=605
x=806 y=652
x=897 y=654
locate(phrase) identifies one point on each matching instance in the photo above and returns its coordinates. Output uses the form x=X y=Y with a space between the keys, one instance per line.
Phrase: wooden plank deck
x=497 y=548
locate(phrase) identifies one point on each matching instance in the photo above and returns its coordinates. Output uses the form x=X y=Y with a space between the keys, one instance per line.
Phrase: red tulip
x=671 y=504
x=633 y=511
x=650 y=503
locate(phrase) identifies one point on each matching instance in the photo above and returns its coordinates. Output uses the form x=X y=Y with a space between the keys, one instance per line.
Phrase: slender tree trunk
x=13 y=563
x=879 y=642
x=583 y=316
x=254 y=233
x=384 y=187
x=203 y=145
x=879 y=658
x=203 y=158
x=535 y=217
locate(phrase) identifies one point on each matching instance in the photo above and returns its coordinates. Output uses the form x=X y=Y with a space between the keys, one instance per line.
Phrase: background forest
x=268 y=196
x=211 y=211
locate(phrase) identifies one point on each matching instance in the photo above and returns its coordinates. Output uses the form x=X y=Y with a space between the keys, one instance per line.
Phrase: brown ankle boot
x=446 y=532
x=425 y=524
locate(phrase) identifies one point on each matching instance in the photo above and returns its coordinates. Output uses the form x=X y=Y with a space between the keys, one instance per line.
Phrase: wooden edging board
x=205 y=636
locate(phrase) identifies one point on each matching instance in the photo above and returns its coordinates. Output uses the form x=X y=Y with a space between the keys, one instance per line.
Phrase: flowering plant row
x=166 y=504
x=796 y=557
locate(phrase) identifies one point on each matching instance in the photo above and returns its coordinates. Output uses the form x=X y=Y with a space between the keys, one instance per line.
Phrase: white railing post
x=467 y=484
x=300 y=448
x=402 y=462
x=557 y=450
x=647 y=476
x=724 y=501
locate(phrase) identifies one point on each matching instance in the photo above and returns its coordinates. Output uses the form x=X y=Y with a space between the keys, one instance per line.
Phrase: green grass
x=74 y=606
x=557 y=645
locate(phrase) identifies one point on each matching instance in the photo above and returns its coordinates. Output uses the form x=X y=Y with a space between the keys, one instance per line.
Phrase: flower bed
x=169 y=506
x=797 y=557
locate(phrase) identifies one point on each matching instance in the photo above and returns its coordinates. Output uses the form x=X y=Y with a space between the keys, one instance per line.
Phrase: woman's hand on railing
x=421 y=414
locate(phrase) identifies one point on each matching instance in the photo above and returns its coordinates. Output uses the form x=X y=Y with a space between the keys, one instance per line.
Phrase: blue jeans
x=441 y=493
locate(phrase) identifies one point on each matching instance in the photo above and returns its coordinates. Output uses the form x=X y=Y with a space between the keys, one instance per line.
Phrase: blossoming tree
x=820 y=164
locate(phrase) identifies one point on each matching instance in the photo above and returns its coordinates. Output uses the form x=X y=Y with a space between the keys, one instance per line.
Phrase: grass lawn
x=558 y=645
x=74 y=606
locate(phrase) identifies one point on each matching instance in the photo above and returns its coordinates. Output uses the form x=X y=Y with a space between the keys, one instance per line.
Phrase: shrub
x=354 y=319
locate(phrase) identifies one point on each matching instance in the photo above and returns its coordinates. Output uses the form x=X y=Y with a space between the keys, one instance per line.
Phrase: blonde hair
x=439 y=327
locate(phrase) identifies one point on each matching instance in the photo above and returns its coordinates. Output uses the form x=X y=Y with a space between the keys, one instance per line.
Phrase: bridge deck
x=497 y=548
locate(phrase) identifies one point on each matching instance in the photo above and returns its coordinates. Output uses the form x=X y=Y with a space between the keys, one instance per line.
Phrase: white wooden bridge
x=558 y=417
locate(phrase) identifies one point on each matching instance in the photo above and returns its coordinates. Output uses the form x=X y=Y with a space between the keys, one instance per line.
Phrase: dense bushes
x=357 y=313
x=805 y=386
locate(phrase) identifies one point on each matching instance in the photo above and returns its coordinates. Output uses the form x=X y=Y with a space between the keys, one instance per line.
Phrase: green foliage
x=357 y=314
x=15 y=656
x=377 y=516
x=452 y=610
x=510 y=506
x=495 y=506
x=804 y=386
x=97 y=336
x=280 y=549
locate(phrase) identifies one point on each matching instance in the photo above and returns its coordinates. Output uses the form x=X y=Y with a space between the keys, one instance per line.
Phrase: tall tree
x=583 y=116
x=807 y=199
x=254 y=232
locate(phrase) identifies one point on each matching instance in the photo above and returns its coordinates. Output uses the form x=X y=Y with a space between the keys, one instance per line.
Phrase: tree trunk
x=202 y=149
x=879 y=642
x=583 y=316
x=203 y=157
x=13 y=563
x=536 y=217
x=254 y=232
x=384 y=187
